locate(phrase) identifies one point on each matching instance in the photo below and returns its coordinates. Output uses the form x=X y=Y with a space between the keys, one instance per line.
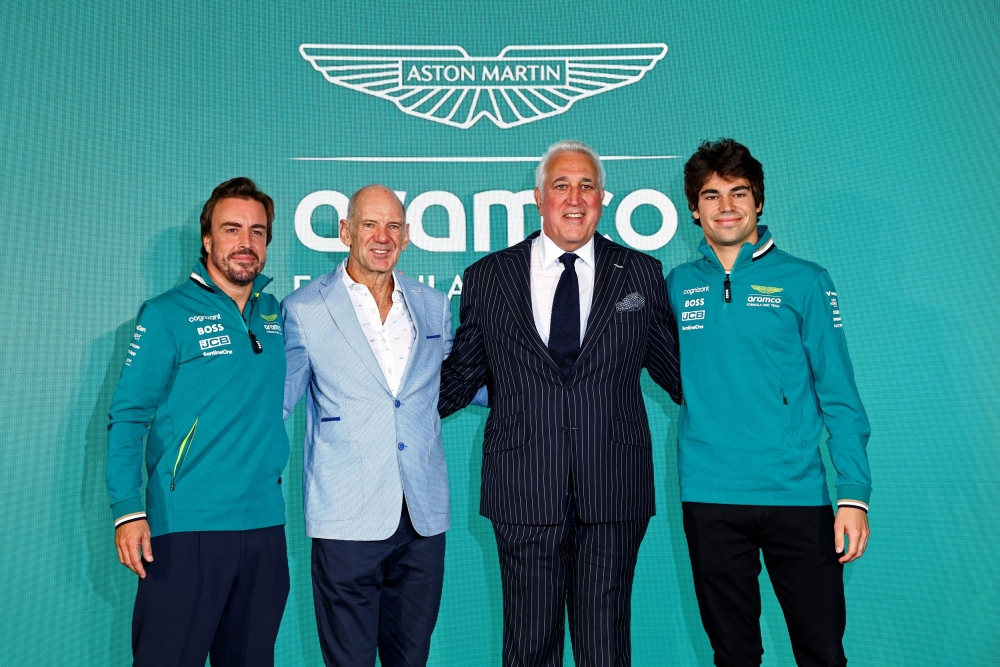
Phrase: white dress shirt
x=392 y=340
x=545 y=272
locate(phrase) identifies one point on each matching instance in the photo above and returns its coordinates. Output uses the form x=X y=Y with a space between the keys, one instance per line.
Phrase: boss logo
x=688 y=303
x=211 y=328
x=689 y=315
x=209 y=343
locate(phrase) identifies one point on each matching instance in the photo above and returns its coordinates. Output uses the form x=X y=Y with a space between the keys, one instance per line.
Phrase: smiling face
x=237 y=244
x=377 y=236
x=570 y=200
x=727 y=212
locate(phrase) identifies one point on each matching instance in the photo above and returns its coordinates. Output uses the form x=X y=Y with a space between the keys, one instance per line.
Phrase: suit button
x=568 y=387
x=398 y=404
x=401 y=446
x=565 y=429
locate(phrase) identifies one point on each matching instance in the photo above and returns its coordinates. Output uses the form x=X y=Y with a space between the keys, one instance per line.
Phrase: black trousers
x=586 y=567
x=211 y=593
x=379 y=596
x=725 y=542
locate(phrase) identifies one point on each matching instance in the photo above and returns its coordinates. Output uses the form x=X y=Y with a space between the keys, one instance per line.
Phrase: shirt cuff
x=129 y=518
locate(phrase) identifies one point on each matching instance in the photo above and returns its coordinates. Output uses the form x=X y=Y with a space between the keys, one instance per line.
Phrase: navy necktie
x=564 y=327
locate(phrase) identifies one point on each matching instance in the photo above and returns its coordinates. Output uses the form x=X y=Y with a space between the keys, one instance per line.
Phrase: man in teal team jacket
x=764 y=366
x=204 y=378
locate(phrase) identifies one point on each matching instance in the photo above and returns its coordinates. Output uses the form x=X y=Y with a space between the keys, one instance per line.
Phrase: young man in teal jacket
x=203 y=384
x=764 y=367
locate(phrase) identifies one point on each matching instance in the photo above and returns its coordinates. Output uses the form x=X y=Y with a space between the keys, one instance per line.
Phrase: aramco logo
x=446 y=85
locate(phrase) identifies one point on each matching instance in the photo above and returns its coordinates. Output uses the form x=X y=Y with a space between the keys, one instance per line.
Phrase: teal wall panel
x=878 y=124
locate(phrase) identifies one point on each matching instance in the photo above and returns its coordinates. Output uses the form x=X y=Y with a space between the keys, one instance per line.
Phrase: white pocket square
x=631 y=303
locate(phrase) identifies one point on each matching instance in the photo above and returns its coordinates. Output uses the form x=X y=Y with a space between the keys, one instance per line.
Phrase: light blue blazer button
x=401 y=446
x=398 y=404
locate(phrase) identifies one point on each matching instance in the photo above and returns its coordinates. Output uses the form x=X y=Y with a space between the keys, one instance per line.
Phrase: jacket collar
x=750 y=252
x=338 y=303
x=199 y=274
x=609 y=281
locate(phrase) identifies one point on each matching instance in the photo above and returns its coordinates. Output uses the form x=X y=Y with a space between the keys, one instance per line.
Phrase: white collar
x=550 y=252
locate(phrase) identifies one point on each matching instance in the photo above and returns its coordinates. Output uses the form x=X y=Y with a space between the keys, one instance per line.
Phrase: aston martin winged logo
x=447 y=85
x=767 y=290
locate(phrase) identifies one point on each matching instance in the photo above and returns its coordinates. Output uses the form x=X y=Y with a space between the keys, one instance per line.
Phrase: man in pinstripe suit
x=560 y=327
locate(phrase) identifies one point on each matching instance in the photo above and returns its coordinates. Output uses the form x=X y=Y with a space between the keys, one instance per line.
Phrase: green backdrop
x=875 y=121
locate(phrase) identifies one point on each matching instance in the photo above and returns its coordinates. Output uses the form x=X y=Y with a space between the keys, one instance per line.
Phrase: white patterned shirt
x=545 y=272
x=390 y=341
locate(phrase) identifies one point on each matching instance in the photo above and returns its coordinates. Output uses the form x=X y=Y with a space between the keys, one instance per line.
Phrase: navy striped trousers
x=586 y=567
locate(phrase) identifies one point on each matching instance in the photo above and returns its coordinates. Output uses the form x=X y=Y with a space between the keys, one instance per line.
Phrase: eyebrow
x=713 y=191
x=566 y=178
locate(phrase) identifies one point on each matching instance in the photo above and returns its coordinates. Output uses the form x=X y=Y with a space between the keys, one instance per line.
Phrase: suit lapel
x=514 y=265
x=413 y=297
x=609 y=277
x=338 y=302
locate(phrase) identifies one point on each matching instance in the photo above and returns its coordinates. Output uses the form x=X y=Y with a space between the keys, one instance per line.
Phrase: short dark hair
x=728 y=159
x=240 y=187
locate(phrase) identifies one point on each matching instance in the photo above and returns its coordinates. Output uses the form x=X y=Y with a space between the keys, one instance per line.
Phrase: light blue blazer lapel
x=413 y=297
x=338 y=302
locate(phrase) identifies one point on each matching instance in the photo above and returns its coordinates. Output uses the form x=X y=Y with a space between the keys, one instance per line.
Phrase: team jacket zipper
x=183 y=451
x=254 y=343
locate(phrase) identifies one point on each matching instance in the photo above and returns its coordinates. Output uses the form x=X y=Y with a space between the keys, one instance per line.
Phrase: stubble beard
x=232 y=271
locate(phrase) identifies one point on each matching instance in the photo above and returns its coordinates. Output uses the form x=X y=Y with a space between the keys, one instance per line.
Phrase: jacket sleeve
x=149 y=365
x=464 y=372
x=662 y=359
x=844 y=415
x=298 y=370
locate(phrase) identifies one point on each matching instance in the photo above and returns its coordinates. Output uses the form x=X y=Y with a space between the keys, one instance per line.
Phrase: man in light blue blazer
x=365 y=344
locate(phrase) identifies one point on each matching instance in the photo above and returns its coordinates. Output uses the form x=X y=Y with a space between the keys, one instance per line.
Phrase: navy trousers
x=379 y=596
x=211 y=593
x=725 y=543
x=587 y=568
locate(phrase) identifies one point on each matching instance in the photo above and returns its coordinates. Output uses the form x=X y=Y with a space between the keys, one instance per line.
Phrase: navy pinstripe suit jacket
x=543 y=429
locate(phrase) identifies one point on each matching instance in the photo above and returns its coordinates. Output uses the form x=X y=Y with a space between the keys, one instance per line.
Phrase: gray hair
x=352 y=203
x=568 y=146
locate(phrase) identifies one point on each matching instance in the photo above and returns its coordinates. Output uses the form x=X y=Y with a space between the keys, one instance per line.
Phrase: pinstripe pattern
x=542 y=429
x=587 y=567
x=551 y=442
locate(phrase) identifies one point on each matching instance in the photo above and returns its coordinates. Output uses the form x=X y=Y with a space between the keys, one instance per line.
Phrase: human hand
x=854 y=522
x=129 y=537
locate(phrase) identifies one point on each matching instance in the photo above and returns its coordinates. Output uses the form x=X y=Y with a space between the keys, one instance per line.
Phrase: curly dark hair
x=728 y=159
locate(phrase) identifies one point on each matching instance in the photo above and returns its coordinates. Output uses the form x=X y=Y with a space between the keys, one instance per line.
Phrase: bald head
x=376 y=233
x=356 y=202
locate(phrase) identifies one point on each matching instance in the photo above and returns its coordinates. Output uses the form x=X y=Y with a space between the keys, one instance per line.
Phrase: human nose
x=245 y=238
x=573 y=197
x=382 y=235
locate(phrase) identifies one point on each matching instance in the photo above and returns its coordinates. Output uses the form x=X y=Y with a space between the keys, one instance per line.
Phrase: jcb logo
x=689 y=315
x=217 y=341
x=211 y=328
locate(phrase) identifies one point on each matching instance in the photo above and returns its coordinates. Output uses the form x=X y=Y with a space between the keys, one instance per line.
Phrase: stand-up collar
x=199 y=274
x=750 y=252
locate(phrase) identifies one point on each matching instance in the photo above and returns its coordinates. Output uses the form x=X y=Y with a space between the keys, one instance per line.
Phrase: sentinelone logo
x=446 y=85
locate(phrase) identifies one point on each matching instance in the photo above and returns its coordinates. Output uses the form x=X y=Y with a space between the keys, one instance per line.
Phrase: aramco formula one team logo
x=446 y=85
